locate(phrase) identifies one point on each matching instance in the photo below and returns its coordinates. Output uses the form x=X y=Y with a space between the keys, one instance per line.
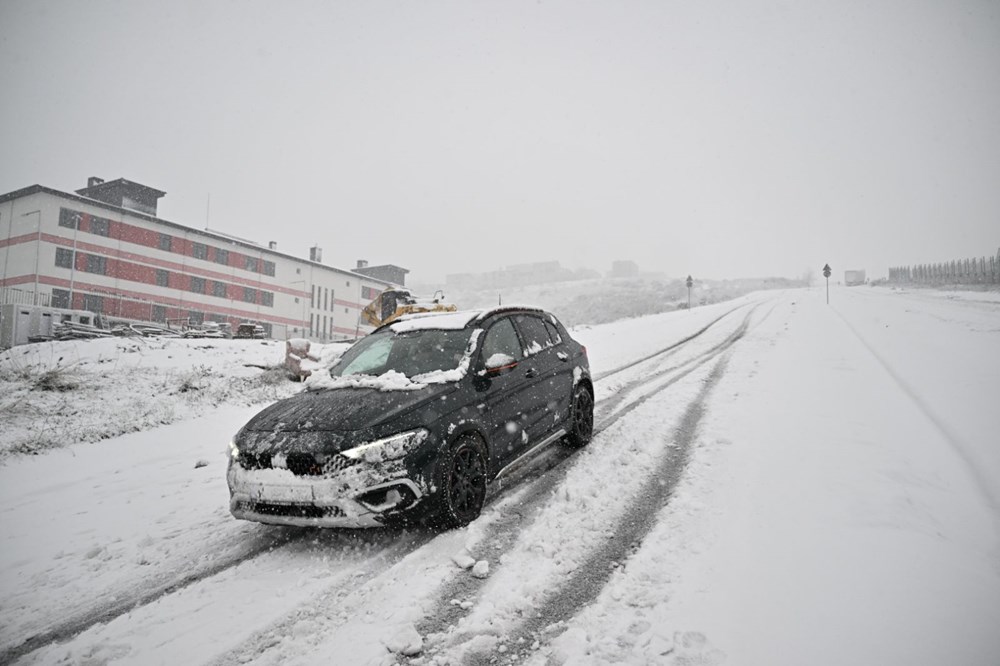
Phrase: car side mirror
x=498 y=362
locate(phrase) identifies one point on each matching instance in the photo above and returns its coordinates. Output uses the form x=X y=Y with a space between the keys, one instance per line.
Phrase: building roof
x=121 y=183
x=364 y=270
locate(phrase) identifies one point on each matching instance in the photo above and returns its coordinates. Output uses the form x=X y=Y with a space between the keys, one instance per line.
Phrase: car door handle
x=530 y=372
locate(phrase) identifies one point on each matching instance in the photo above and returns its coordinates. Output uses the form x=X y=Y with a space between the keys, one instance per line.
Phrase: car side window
x=553 y=332
x=501 y=338
x=536 y=338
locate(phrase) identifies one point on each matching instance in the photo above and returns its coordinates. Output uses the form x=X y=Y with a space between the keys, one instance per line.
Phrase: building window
x=166 y=242
x=196 y=318
x=160 y=313
x=326 y=299
x=93 y=303
x=251 y=264
x=69 y=218
x=298 y=271
x=64 y=257
x=219 y=289
x=100 y=226
x=60 y=298
x=162 y=278
x=348 y=283
x=369 y=293
x=96 y=264
x=267 y=298
x=345 y=310
x=269 y=268
x=312 y=297
x=249 y=295
x=221 y=256
x=197 y=285
x=199 y=250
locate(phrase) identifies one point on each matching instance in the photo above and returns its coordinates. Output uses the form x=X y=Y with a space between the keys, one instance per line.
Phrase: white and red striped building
x=103 y=249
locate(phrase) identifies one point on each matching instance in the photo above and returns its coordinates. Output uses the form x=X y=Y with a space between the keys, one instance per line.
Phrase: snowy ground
x=87 y=390
x=775 y=480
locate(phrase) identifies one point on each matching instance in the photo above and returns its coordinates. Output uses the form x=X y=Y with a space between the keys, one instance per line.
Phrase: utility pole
x=690 y=283
x=38 y=250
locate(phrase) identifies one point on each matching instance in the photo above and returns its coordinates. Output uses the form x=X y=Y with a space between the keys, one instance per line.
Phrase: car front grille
x=303 y=464
x=299 y=463
x=338 y=463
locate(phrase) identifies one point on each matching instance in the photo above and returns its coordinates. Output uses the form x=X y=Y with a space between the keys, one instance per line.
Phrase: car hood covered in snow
x=343 y=410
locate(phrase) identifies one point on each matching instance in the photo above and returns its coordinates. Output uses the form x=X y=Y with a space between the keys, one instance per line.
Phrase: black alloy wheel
x=582 y=425
x=464 y=490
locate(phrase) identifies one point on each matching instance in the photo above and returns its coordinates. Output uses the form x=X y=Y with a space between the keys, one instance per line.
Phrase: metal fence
x=12 y=296
x=984 y=270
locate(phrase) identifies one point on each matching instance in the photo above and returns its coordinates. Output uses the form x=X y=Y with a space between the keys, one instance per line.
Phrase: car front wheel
x=582 y=424
x=462 y=491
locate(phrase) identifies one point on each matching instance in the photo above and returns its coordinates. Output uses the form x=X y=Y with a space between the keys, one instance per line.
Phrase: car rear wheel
x=582 y=424
x=463 y=483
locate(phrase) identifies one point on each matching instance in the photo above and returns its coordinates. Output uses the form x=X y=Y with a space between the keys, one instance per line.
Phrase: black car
x=414 y=421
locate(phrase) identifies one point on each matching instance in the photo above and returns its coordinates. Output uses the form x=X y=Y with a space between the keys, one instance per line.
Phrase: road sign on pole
x=826 y=274
x=690 y=283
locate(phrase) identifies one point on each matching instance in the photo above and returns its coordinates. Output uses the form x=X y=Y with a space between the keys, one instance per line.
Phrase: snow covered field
x=774 y=481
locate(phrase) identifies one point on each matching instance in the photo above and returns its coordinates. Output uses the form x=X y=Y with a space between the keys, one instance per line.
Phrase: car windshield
x=411 y=353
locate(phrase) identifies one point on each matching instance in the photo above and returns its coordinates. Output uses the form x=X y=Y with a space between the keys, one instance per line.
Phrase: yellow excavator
x=393 y=303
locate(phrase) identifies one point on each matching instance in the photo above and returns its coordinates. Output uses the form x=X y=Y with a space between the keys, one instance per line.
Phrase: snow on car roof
x=433 y=320
x=510 y=308
x=452 y=320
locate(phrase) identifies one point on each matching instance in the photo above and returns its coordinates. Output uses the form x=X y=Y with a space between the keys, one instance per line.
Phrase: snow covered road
x=775 y=481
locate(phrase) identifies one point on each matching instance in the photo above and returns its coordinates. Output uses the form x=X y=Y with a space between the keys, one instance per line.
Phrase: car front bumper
x=279 y=497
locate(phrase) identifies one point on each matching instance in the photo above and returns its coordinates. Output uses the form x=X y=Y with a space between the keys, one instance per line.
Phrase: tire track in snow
x=501 y=535
x=669 y=348
x=973 y=466
x=331 y=607
x=607 y=413
x=104 y=613
x=147 y=594
x=585 y=584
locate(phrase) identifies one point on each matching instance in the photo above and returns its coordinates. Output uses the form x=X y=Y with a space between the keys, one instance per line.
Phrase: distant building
x=624 y=269
x=104 y=250
x=387 y=272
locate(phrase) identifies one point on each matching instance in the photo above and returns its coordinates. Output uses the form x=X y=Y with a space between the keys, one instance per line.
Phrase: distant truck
x=393 y=303
x=854 y=278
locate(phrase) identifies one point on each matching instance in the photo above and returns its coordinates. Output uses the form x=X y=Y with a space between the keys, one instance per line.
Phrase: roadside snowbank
x=59 y=393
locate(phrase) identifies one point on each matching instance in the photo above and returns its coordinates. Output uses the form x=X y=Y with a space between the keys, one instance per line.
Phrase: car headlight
x=388 y=448
x=234 y=451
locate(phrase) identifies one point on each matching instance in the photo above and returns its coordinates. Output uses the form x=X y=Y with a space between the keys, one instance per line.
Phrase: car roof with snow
x=453 y=320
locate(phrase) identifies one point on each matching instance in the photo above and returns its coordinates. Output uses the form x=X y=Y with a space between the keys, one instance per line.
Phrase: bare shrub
x=57 y=379
x=195 y=379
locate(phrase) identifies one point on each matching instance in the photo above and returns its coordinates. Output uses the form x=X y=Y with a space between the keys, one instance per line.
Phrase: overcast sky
x=728 y=139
